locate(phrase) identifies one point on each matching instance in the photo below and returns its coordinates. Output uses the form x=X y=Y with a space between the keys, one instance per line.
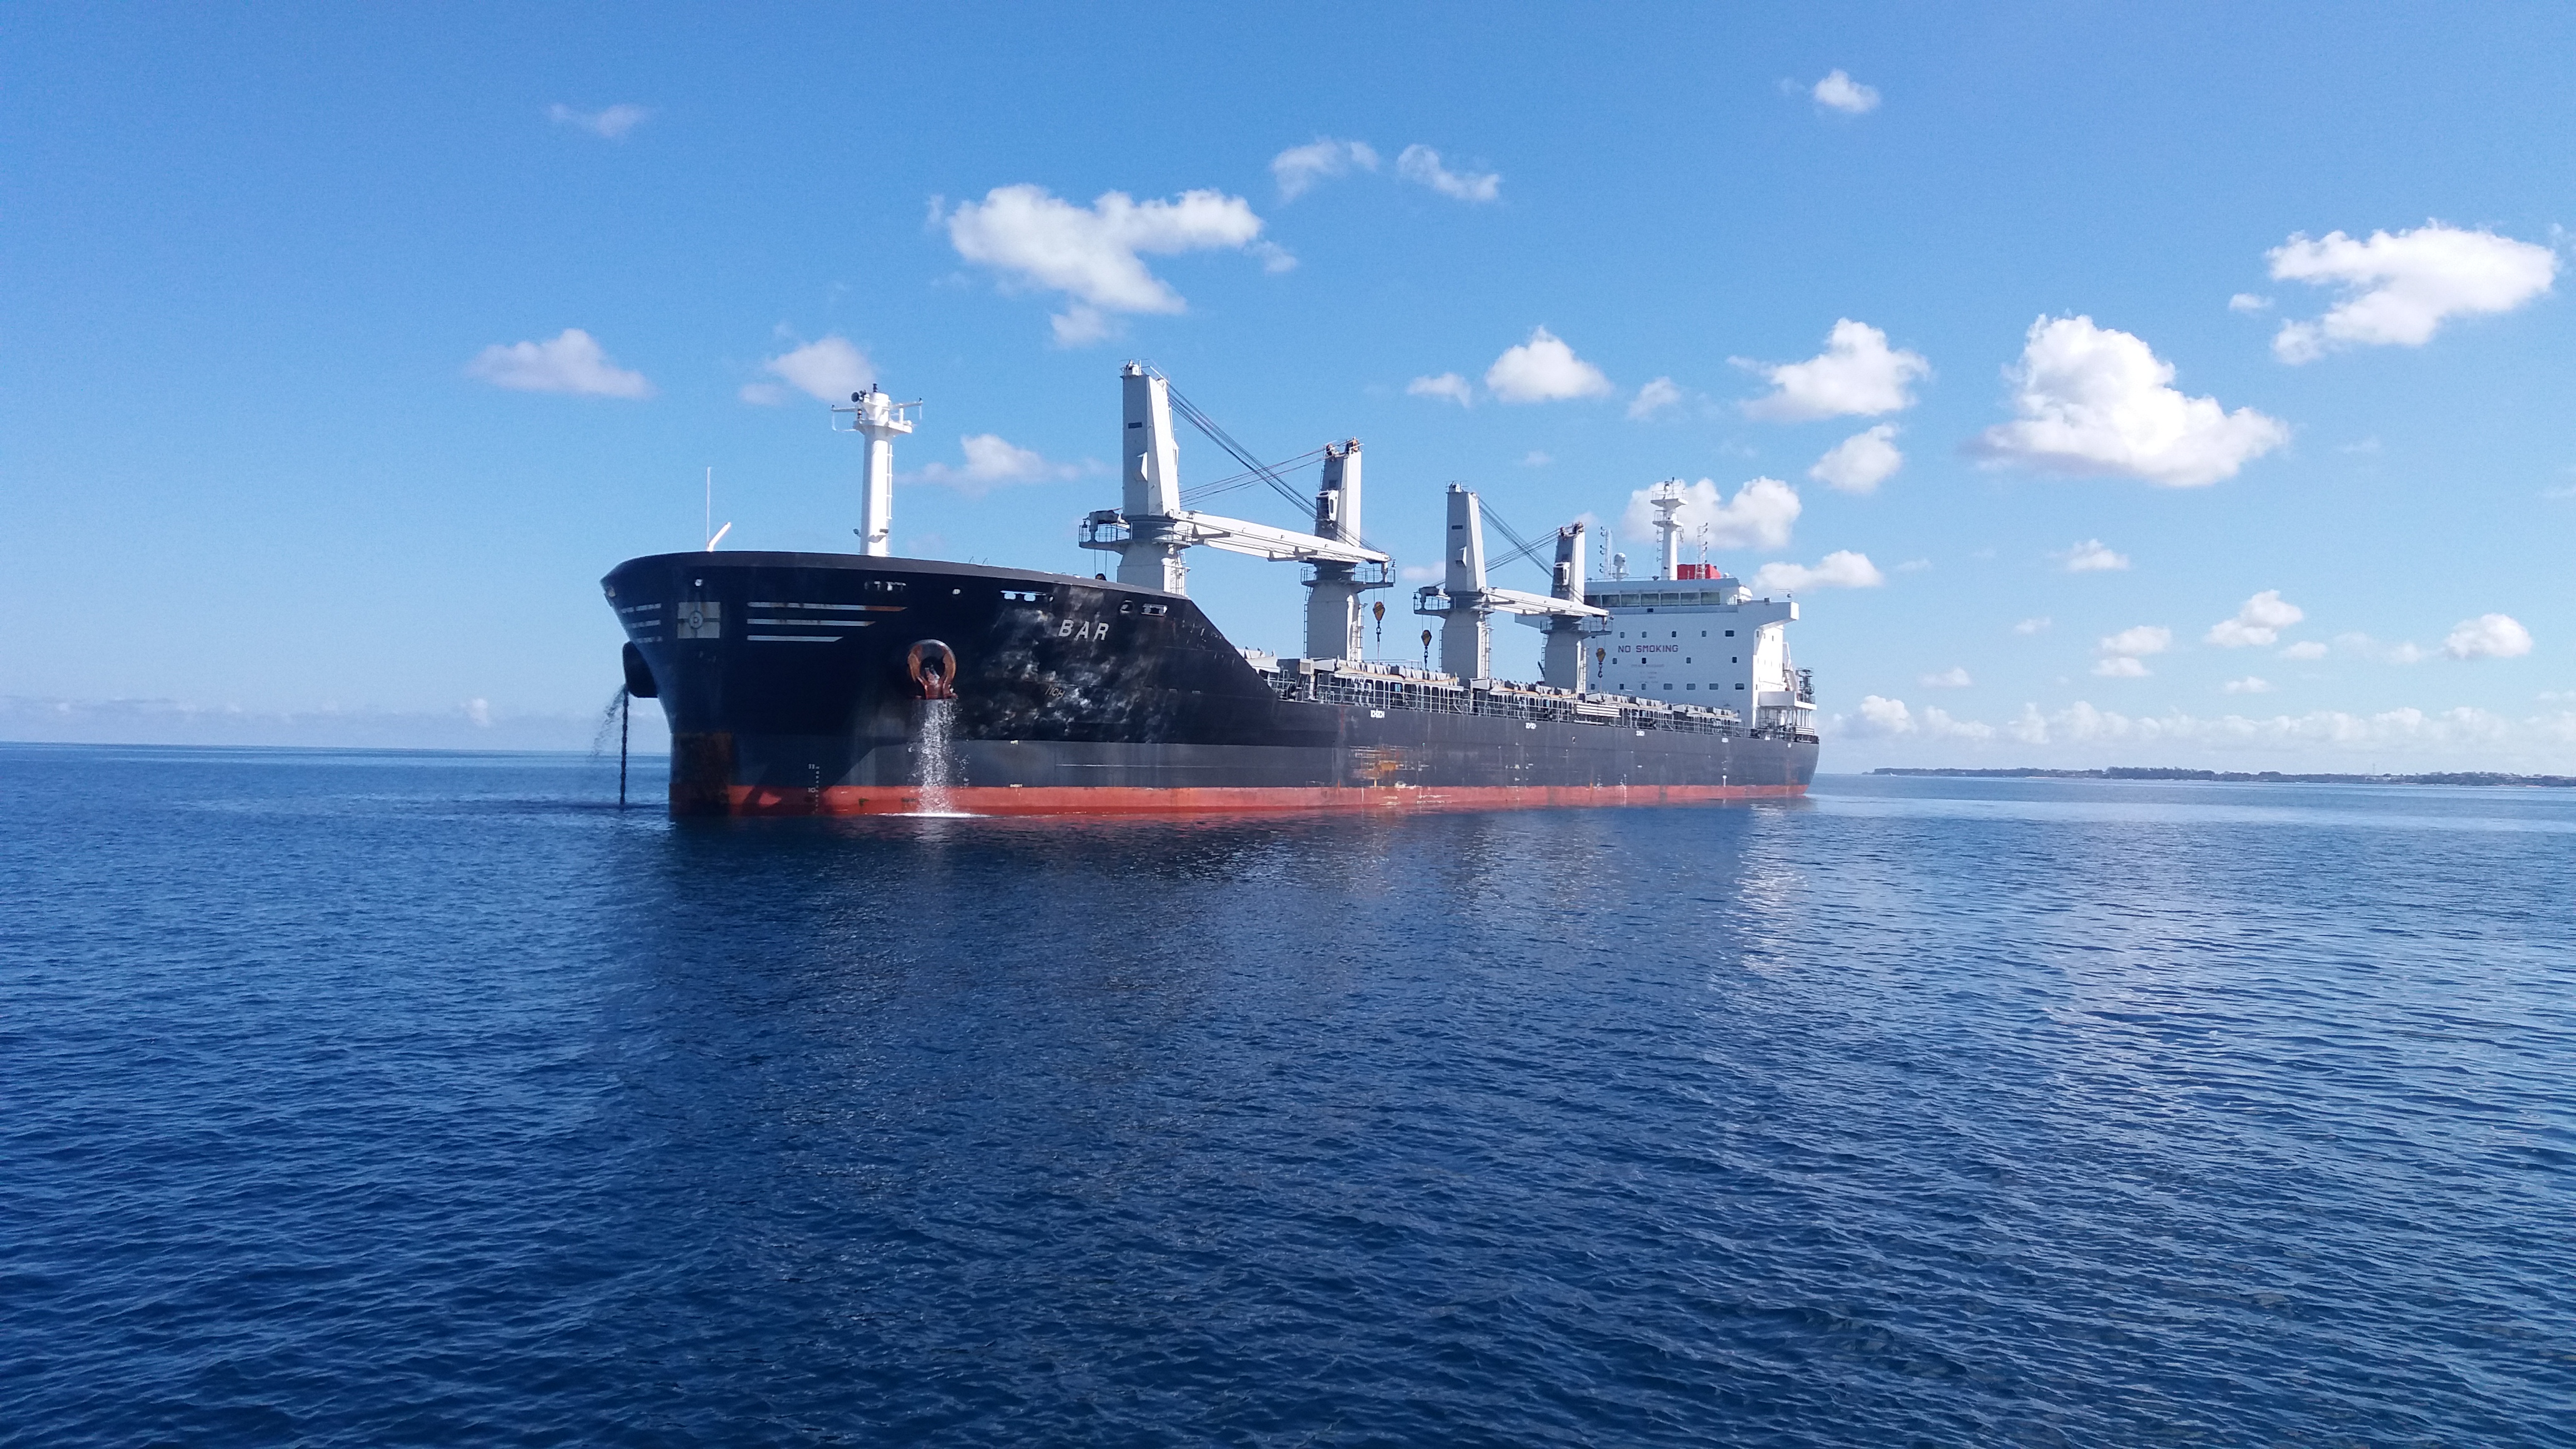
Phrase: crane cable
x=1198 y=493
x=1208 y=425
x=1522 y=548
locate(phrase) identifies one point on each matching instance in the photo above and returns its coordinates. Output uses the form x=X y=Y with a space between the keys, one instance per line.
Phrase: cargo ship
x=864 y=683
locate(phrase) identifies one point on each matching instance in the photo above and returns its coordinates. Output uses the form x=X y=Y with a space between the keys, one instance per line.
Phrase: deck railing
x=1411 y=689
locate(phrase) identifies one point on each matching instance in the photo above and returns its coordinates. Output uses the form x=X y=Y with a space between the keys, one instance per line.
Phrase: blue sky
x=294 y=443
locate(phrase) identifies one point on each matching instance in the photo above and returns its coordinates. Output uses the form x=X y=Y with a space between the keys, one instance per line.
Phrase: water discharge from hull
x=935 y=750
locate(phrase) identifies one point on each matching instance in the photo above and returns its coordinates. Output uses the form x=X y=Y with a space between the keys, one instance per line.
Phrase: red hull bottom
x=1116 y=800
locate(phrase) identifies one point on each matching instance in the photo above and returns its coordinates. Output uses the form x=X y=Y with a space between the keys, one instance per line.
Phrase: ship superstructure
x=799 y=683
x=1695 y=631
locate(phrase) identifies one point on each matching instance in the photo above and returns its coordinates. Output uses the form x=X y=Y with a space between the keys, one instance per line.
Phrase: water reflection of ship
x=801 y=683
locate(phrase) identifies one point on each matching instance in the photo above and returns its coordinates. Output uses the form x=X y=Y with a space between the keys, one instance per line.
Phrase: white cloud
x=1654 y=397
x=1095 y=254
x=1536 y=458
x=610 y=124
x=2096 y=400
x=2305 y=649
x=831 y=370
x=2248 y=302
x=1447 y=385
x=992 y=462
x=1080 y=325
x=478 y=712
x=1840 y=92
x=2037 y=625
x=1914 y=566
x=1938 y=723
x=1423 y=573
x=571 y=362
x=1884 y=718
x=2398 y=738
x=2121 y=652
x=1421 y=164
x=1543 y=369
x=1841 y=569
x=1859 y=463
x=2400 y=288
x=2259 y=622
x=2092 y=556
x=2488 y=636
x=2137 y=640
x=1953 y=677
x=1857 y=375
x=2369 y=648
x=1758 y=516
x=2250 y=684
x=1298 y=168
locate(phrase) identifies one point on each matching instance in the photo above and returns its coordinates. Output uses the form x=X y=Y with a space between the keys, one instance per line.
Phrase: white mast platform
x=881 y=420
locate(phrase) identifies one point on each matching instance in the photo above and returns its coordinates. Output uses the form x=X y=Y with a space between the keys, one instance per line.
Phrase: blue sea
x=368 y=1099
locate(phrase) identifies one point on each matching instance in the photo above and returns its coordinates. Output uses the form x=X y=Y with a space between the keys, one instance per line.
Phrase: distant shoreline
x=2265 y=777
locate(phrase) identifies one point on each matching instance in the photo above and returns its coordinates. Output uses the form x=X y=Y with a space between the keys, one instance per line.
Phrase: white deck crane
x=1151 y=532
x=1333 y=613
x=1463 y=601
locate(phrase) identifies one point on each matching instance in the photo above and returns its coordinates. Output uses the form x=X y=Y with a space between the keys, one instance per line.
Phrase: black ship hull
x=813 y=684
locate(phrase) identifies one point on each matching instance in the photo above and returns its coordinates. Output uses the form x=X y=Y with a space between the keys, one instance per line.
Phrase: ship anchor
x=933 y=666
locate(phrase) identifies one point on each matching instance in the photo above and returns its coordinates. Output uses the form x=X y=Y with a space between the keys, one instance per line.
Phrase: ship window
x=1730 y=633
x=1690 y=686
x=1739 y=686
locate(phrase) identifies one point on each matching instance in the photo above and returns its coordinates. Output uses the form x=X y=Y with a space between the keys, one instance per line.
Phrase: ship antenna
x=714 y=533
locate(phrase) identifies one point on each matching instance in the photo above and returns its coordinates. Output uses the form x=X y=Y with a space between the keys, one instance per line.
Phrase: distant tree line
x=2453 y=777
